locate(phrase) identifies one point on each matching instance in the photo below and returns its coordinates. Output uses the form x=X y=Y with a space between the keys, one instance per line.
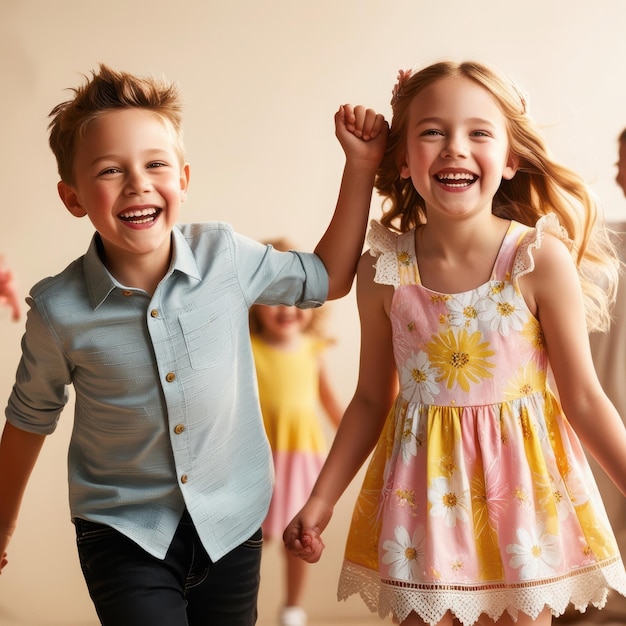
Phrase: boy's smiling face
x=130 y=182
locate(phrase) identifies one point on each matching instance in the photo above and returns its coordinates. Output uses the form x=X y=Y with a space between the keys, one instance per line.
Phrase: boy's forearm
x=19 y=451
x=342 y=244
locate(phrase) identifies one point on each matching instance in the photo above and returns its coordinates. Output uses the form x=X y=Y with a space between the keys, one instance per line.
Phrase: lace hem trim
x=524 y=262
x=586 y=586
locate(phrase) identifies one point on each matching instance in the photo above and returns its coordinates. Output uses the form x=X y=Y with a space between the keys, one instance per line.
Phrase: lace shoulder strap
x=524 y=262
x=383 y=245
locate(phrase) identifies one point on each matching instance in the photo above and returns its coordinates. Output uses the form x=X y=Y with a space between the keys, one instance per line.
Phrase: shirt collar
x=100 y=283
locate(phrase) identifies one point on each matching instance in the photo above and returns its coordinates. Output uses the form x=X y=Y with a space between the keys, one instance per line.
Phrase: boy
x=169 y=470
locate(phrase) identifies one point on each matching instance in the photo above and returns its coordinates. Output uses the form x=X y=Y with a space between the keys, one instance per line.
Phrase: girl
x=287 y=344
x=478 y=502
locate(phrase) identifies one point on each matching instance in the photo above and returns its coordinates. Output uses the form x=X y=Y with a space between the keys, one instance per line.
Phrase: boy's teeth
x=139 y=213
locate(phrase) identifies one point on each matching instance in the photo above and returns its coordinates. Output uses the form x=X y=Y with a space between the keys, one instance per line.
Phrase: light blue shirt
x=166 y=404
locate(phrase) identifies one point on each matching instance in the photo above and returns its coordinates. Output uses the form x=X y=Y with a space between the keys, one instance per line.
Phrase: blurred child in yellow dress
x=294 y=388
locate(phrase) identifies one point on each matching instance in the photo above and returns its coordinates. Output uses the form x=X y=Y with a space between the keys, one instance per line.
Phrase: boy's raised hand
x=361 y=132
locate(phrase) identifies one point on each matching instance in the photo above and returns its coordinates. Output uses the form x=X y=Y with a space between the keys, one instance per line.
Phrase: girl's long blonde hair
x=540 y=186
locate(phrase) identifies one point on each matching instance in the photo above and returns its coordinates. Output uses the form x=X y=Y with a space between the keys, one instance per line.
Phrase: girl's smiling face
x=129 y=182
x=282 y=325
x=457 y=148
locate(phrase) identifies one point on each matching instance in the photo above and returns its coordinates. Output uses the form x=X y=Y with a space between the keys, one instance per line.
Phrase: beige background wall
x=261 y=81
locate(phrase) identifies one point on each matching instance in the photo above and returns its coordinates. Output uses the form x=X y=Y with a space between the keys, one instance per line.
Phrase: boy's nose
x=137 y=182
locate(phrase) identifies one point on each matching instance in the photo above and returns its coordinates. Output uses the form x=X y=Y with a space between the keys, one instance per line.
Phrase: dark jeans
x=129 y=587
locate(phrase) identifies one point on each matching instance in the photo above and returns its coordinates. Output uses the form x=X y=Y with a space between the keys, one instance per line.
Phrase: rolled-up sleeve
x=276 y=277
x=315 y=290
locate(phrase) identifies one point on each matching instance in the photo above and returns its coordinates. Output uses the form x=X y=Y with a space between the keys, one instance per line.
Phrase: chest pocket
x=208 y=335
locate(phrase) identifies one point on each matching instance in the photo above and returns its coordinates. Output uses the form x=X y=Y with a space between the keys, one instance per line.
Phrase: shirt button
x=170 y=377
x=179 y=429
x=127 y=292
x=154 y=313
x=184 y=478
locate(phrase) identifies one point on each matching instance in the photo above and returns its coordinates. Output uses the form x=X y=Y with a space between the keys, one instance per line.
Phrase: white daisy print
x=463 y=314
x=448 y=500
x=502 y=310
x=536 y=555
x=405 y=554
x=418 y=379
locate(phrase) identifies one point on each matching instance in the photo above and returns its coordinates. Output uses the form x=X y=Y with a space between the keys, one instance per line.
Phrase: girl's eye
x=431 y=132
x=480 y=133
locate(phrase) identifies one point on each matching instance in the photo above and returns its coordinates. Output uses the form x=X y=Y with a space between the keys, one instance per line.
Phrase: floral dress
x=478 y=497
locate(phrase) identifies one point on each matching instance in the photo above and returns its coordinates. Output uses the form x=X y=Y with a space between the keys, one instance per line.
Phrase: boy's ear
x=511 y=167
x=70 y=199
x=184 y=182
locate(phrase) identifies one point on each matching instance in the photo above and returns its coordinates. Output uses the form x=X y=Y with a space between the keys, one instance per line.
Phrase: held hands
x=8 y=292
x=362 y=133
x=302 y=536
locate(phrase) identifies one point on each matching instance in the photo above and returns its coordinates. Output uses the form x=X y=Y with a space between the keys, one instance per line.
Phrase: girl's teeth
x=457 y=176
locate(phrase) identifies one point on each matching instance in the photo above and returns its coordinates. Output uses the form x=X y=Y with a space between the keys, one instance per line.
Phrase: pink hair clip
x=396 y=92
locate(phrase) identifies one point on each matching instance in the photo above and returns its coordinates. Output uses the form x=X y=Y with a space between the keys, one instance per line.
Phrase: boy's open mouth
x=140 y=216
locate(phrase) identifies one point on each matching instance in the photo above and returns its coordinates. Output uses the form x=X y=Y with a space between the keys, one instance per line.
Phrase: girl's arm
x=362 y=422
x=555 y=289
x=363 y=136
x=328 y=397
x=19 y=451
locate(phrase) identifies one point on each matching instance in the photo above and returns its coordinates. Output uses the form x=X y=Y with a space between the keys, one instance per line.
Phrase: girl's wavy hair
x=317 y=323
x=540 y=186
x=108 y=90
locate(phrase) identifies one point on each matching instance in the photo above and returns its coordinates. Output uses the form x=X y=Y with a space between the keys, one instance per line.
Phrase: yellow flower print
x=532 y=333
x=439 y=298
x=521 y=496
x=527 y=380
x=406 y=496
x=456 y=565
x=447 y=465
x=461 y=358
x=404 y=258
x=496 y=288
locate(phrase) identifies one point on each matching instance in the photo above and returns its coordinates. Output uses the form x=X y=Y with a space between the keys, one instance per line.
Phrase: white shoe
x=293 y=616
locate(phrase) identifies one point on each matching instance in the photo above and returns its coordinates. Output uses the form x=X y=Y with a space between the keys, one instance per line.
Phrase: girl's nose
x=454 y=146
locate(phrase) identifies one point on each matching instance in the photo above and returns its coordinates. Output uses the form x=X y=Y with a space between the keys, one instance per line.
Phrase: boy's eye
x=109 y=170
x=155 y=164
